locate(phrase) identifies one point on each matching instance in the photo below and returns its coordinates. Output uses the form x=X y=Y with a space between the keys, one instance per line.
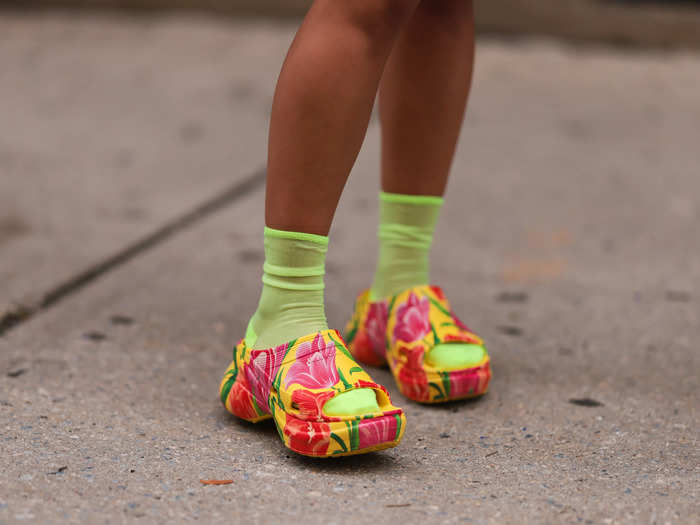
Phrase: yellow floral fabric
x=292 y=382
x=401 y=330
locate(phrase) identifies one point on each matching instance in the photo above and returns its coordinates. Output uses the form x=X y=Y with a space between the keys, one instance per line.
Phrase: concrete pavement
x=568 y=241
x=92 y=108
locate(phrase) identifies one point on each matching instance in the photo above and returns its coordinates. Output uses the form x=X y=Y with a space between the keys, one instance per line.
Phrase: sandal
x=291 y=384
x=402 y=331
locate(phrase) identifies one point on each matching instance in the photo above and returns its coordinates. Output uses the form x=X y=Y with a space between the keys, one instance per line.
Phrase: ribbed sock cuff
x=294 y=260
x=403 y=198
x=299 y=236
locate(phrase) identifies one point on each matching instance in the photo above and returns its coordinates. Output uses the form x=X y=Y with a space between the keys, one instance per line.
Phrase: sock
x=292 y=305
x=406 y=227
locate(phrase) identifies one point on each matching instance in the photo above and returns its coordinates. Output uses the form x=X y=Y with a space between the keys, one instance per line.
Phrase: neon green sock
x=291 y=303
x=406 y=228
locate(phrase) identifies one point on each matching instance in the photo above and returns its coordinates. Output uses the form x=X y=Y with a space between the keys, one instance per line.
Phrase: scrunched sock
x=291 y=304
x=406 y=228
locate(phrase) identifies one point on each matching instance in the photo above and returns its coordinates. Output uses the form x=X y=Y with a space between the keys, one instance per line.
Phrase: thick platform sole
x=443 y=387
x=345 y=438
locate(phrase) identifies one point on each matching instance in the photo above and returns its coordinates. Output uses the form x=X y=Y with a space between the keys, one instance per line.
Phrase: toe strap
x=421 y=318
x=315 y=369
x=308 y=405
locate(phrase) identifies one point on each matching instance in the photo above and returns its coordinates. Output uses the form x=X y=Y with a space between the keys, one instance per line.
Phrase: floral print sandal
x=402 y=330
x=292 y=382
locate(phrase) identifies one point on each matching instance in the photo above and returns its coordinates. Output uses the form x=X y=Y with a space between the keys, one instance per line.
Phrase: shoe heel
x=238 y=398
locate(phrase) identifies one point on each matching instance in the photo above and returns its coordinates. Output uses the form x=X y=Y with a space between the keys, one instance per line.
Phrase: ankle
x=291 y=302
x=406 y=228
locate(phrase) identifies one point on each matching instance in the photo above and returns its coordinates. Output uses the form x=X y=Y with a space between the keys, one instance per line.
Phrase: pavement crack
x=23 y=313
x=15 y=316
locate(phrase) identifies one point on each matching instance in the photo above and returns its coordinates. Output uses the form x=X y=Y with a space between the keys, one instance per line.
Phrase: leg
x=320 y=114
x=319 y=117
x=423 y=97
x=322 y=107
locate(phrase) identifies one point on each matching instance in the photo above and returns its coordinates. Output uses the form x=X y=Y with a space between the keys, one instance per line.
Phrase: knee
x=447 y=16
x=379 y=19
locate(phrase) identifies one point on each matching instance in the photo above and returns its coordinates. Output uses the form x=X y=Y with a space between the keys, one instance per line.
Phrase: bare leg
x=423 y=97
x=320 y=113
x=322 y=106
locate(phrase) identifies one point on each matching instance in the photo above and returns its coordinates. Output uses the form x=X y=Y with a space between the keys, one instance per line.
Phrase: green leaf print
x=278 y=380
x=256 y=407
x=341 y=346
x=231 y=380
x=279 y=430
x=342 y=378
x=227 y=387
x=446 y=382
x=439 y=307
x=391 y=305
x=439 y=390
x=398 y=426
x=355 y=435
x=436 y=339
x=350 y=336
x=340 y=442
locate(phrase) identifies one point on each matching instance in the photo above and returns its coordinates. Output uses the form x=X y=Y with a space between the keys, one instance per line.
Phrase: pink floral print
x=469 y=382
x=292 y=383
x=375 y=326
x=261 y=372
x=378 y=430
x=412 y=319
x=315 y=365
x=419 y=319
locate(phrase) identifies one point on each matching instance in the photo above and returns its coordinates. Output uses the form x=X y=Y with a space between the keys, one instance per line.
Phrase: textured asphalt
x=568 y=241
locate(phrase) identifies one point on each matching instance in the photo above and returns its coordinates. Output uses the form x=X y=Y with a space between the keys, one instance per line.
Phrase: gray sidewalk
x=569 y=241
